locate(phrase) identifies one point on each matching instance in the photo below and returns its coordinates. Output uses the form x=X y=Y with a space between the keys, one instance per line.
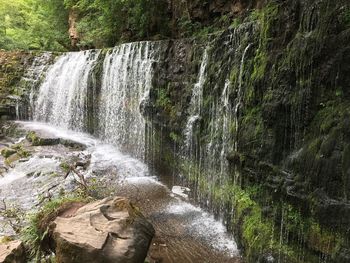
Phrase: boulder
x=12 y=252
x=110 y=230
x=41 y=139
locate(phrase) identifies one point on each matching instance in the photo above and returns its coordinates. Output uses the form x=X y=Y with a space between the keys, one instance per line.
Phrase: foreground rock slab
x=110 y=230
x=12 y=252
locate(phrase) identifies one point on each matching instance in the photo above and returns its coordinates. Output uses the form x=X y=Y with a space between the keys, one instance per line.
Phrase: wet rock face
x=16 y=81
x=12 y=252
x=293 y=122
x=173 y=73
x=12 y=67
x=110 y=230
x=206 y=11
x=294 y=113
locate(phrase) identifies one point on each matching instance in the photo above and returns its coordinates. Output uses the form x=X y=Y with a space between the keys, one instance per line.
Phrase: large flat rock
x=12 y=252
x=110 y=230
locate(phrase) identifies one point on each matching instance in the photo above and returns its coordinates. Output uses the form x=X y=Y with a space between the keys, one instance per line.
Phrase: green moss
x=21 y=151
x=39 y=141
x=236 y=22
x=66 y=167
x=259 y=232
x=6 y=240
x=265 y=17
x=313 y=148
x=163 y=99
x=165 y=104
x=329 y=143
x=175 y=137
x=7 y=152
x=327 y=118
x=234 y=75
x=260 y=64
x=11 y=72
x=251 y=127
x=322 y=240
x=32 y=137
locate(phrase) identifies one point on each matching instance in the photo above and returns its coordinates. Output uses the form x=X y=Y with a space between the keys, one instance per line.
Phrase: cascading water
x=239 y=93
x=126 y=82
x=196 y=103
x=225 y=115
x=62 y=98
x=207 y=162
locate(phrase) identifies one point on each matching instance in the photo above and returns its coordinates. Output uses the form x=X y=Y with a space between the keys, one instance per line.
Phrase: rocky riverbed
x=41 y=162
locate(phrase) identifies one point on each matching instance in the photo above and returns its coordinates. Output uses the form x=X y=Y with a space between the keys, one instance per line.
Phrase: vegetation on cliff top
x=39 y=24
x=33 y=24
x=61 y=25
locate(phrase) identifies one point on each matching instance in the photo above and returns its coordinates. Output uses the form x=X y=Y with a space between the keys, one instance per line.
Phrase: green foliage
x=33 y=24
x=189 y=28
x=41 y=24
x=104 y=23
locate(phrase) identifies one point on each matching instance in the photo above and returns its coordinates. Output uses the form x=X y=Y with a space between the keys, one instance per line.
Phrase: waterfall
x=65 y=95
x=226 y=120
x=222 y=83
x=126 y=82
x=62 y=98
x=239 y=94
x=196 y=102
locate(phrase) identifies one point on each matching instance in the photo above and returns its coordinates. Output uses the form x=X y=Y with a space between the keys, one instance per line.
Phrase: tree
x=33 y=24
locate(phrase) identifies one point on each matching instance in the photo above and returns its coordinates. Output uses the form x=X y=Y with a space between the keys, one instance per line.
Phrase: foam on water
x=62 y=133
x=33 y=165
x=180 y=191
x=104 y=155
x=203 y=226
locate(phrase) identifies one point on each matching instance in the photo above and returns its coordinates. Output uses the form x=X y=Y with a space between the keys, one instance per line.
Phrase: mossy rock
x=41 y=141
x=13 y=158
x=7 y=152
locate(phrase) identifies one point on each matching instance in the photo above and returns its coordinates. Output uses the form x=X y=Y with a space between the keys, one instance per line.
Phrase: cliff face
x=20 y=73
x=206 y=11
x=12 y=67
x=275 y=103
x=193 y=16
